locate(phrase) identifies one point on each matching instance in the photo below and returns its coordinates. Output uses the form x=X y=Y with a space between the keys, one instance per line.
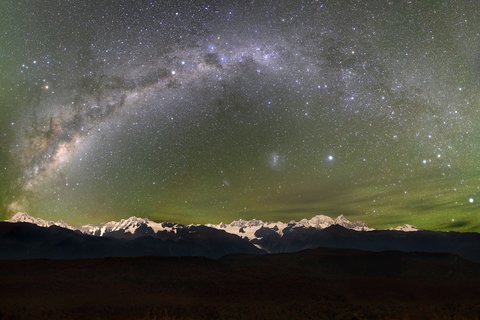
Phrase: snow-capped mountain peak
x=129 y=225
x=246 y=223
x=26 y=218
x=405 y=228
x=318 y=222
x=355 y=225
x=252 y=229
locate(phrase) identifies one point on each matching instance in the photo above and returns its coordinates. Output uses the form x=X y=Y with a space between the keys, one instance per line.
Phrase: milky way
x=213 y=111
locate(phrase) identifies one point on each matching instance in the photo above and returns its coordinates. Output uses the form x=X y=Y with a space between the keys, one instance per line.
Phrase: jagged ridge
x=251 y=229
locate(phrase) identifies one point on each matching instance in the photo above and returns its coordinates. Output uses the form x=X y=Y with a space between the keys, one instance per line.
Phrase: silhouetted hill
x=312 y=284
x=466 y=245
x=29 y=241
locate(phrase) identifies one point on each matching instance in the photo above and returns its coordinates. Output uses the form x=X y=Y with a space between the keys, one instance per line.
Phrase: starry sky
x=209 y=111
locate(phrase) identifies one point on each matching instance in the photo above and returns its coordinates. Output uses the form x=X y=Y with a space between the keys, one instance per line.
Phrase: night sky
x=205 y=111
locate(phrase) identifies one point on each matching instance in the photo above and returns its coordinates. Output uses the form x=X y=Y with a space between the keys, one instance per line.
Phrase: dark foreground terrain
x=313 y=284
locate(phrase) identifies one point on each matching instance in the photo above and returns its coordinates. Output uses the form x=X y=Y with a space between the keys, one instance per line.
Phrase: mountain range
x=27 y=237
x=135 y=227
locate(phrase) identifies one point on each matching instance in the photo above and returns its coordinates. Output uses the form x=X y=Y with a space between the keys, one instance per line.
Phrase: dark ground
x=313 y=284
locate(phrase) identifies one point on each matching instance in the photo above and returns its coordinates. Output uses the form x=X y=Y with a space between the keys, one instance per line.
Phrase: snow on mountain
x=318 y=222
x=405 y=228
x=130 y=225
x=249 y=229
x=26 y=218
x=355 y=225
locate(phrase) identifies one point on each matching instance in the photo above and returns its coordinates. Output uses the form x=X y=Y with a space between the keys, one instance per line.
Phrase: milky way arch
x=208 y=111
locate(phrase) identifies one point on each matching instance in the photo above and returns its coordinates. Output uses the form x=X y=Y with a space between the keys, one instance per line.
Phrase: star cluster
x=210 y=111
